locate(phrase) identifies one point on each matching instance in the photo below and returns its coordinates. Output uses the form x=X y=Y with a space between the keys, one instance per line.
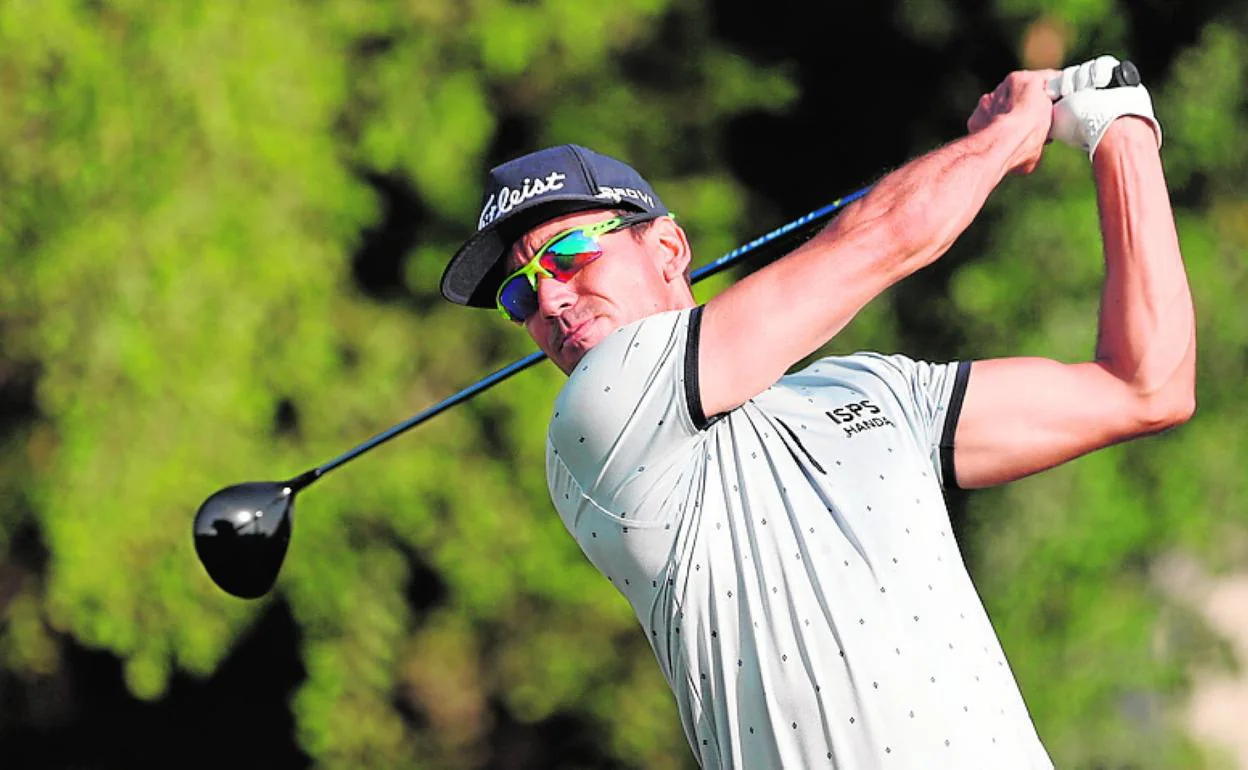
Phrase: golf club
x=242 y=531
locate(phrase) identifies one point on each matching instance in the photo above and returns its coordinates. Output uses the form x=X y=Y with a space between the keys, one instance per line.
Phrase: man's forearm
x=928 y=202
x=1147 y=326
x=753 y=332
x=907 y=220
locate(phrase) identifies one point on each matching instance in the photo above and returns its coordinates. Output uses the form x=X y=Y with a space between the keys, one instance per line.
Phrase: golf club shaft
x=1124 y=74
x=799 y=224
x=795 y=227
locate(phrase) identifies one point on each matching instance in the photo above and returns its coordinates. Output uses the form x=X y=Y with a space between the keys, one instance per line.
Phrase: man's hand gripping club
x=1086 y=104
x=1021 y=98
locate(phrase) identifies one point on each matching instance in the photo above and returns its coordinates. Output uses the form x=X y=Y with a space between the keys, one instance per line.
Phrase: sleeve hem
x=693 y=388
x=953 y=413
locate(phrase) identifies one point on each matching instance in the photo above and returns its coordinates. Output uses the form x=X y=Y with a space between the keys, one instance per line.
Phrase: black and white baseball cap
x=521 y=194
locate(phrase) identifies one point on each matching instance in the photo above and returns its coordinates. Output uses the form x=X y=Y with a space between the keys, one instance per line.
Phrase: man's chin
x=568 y=357
x=575 y=347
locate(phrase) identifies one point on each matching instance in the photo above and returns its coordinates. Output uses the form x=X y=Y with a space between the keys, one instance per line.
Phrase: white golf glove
x=1085 y=107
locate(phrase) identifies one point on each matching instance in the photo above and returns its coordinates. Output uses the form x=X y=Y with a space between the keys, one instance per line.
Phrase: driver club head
x=241 y=535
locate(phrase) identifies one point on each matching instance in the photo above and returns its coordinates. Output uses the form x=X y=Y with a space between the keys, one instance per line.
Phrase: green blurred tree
x=184 y=186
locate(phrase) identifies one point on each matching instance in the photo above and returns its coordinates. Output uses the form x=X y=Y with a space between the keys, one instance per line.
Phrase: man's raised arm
x=754 y=331
x=1023 y=415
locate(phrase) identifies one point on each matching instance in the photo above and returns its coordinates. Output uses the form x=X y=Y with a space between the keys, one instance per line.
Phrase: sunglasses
x=560 y=258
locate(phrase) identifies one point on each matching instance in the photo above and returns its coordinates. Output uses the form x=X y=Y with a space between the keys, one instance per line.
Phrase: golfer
x=783 y=537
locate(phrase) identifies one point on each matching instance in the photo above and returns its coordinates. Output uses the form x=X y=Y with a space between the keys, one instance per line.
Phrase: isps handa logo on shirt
x=858 y=417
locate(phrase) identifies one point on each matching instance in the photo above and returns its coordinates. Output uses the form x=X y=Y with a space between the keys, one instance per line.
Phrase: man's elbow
x=1168 y=408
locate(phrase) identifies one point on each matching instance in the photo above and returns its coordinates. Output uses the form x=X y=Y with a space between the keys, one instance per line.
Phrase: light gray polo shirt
x=791 y=561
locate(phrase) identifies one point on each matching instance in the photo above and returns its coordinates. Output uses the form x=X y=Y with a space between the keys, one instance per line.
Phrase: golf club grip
x=1125 y=74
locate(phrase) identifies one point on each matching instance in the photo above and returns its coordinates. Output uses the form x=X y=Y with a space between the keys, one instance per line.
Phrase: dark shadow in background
x=562 y=742
x=378 y=263
x=239 y=718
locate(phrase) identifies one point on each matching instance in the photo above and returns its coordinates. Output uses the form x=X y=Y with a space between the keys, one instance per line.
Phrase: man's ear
x=674 y=248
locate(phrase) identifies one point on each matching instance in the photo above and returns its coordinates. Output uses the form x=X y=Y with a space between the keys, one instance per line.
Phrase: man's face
x=630 y=281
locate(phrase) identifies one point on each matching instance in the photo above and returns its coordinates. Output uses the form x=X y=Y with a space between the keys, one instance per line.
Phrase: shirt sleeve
x=930 y=396
x=627 y=419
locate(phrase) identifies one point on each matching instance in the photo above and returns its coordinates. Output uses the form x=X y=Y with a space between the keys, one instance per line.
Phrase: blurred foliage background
x=221 y=230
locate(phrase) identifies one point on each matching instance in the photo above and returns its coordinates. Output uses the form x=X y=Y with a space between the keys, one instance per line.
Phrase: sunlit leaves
x=183 y=188
x=1202 y=111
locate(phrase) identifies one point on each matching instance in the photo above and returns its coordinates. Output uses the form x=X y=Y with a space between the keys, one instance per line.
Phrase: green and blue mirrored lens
x=561 y=258
x=517 y=298
x=565 y=256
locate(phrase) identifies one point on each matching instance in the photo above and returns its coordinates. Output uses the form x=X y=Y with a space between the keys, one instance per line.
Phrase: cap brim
x=473 y=275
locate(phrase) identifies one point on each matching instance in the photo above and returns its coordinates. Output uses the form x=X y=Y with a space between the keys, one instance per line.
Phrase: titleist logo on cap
x=506 y=199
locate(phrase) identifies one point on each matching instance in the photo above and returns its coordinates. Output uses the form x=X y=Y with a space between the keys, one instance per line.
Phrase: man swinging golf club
x=783 y=538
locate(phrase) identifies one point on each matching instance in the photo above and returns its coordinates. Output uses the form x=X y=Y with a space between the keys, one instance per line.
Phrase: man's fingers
x=1016 y=83
x=1102 y=71
x=1094 y=73
x=1050 y=79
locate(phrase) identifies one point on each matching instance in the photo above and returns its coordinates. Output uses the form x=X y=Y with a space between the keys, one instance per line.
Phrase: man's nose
x=553 y=296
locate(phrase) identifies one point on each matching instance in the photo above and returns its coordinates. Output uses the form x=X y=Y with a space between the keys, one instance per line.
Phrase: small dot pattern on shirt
x=878 y=546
